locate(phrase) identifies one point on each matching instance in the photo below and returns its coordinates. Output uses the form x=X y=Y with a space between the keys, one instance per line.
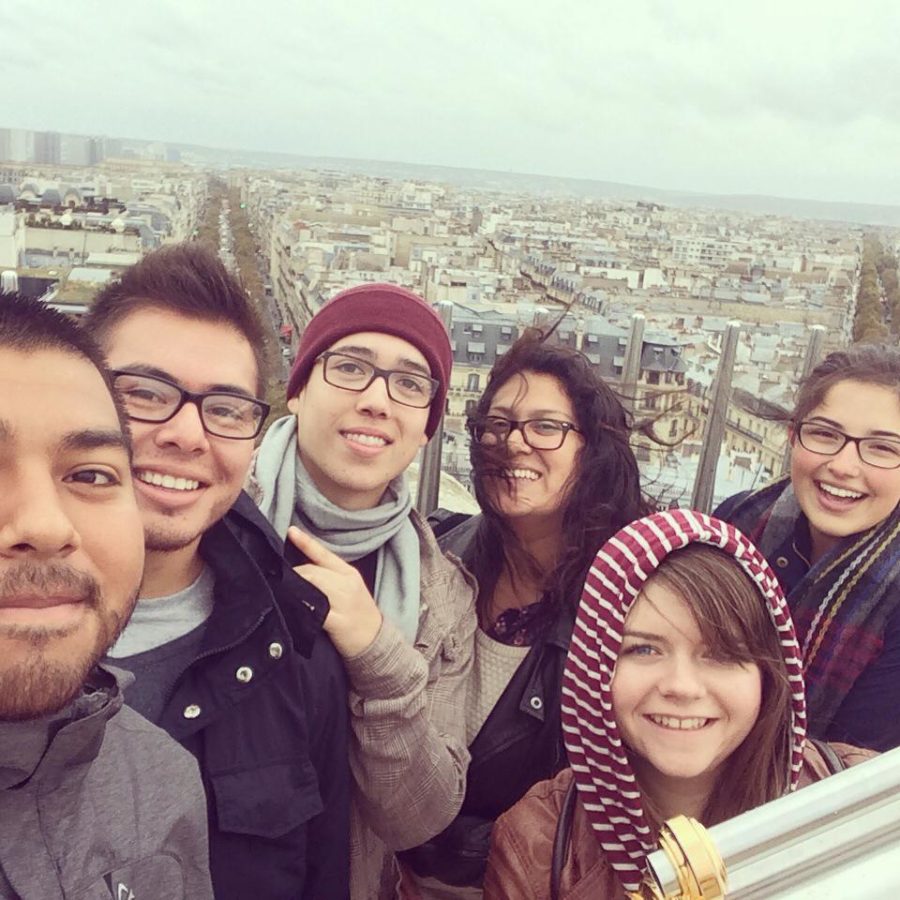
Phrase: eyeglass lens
x=880 y=452
x=151 y=399
x=540 y=434
x=354 y=374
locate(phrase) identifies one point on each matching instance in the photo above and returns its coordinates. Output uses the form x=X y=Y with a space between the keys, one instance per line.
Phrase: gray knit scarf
x=287 y=496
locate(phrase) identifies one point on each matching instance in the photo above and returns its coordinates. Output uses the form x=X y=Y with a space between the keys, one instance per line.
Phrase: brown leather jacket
x=522 y=841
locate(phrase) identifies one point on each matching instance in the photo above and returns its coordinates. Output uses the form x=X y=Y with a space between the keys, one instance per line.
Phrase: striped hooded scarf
x=607 y=788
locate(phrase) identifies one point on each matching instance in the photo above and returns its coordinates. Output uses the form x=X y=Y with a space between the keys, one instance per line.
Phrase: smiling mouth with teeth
x=168 y=481
x=369 y=440
x=676 y=723
x=525 y=474
x=840 y=493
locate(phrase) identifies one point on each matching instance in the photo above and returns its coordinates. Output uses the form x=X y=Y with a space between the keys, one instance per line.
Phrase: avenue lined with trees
x=878 y=299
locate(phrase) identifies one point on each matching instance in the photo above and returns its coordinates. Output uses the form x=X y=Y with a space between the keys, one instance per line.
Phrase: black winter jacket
x=263 y=708
x=519 y=745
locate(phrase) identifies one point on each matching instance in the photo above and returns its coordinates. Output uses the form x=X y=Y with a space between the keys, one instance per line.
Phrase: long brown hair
x=608 y=494
x=735 y=624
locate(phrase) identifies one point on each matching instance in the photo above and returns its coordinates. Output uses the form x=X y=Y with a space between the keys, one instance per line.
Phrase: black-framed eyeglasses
x=539 y=434
x=881 y=452
x=223 y=414
x=353 y=374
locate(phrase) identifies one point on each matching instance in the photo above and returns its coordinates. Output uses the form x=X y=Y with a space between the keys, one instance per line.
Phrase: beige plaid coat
x=408 y=749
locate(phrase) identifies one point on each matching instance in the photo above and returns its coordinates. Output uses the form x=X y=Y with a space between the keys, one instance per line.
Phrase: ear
x=293 y=404
x=792 y=435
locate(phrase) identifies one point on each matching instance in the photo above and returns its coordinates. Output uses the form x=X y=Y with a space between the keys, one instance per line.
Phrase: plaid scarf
x=607 y=787
x=840 y=607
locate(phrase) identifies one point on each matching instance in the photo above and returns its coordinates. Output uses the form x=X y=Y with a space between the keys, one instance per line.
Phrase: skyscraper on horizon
x=47 y=147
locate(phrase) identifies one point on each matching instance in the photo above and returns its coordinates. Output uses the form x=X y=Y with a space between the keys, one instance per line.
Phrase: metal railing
x=837 y=838
x=430 y=467
x=705 y=480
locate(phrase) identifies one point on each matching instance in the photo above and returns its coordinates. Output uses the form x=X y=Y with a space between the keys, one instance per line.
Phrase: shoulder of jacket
x=850 y=755
x=730 y=505
x=440 y=568
x=130 y=736
x=460 y=537
x=542 y=804
x=815 y=767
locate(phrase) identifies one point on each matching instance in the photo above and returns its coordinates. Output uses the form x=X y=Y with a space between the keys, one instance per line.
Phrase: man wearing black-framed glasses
x=151 y=398
x=225 y=643
x=366 y=392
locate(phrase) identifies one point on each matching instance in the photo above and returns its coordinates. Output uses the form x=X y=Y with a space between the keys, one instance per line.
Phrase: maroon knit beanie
x=387 y=309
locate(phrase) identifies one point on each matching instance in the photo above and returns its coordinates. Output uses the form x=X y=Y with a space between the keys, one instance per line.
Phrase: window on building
x=472 y=382
x=470 y=407
x=653 y=377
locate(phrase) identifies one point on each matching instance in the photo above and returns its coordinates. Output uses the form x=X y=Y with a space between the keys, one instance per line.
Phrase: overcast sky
x=789 y=98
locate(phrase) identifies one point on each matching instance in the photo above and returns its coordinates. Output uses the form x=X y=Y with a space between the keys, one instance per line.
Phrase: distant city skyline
x=791 y=98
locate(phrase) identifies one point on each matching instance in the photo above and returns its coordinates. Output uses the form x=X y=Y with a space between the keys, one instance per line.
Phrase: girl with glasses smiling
x=555 y=476
x=832 y=533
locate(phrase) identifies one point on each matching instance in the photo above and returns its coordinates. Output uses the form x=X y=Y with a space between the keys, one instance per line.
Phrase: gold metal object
x=699 y=868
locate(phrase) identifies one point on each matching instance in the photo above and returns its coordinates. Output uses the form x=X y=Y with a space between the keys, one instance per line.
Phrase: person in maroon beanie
x=366 y=392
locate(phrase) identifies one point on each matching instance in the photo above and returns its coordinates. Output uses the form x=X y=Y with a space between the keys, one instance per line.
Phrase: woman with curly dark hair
x=555 y=477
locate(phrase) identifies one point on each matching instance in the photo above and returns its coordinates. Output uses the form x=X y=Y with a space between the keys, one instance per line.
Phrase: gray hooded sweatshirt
x=95 y=802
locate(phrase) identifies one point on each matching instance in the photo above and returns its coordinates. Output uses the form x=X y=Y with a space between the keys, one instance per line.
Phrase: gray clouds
x=792 y=98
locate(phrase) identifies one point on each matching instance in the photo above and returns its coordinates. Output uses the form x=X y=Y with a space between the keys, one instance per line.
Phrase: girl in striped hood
x=682 y=694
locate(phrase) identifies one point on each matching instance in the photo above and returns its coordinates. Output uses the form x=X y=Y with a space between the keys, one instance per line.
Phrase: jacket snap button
x=781 y=562
x=275 y=650
x=536 y=703
x=191 y=711
x=244 y=674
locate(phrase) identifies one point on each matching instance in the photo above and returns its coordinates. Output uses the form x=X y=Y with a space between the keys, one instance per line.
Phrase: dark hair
x=735 y=624
x=188 y=279
x=29 y=325
x=609 y=491
x=868 y=363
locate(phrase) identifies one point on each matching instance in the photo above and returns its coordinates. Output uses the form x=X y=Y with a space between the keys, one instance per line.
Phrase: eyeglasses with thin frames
x=353 y=374
x=148 y=398
x=539 y=434
x=880 y=452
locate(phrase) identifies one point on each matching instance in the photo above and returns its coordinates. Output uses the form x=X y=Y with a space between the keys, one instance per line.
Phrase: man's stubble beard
x=163 y=533
x=158 y=541
x=38 y=686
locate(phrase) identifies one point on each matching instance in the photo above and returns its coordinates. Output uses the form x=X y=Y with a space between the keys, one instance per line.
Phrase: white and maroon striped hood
x=607 y=787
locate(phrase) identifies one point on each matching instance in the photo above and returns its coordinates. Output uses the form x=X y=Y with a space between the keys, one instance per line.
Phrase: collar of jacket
x=50 y=747
x=245 y=554
x=790 y=560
